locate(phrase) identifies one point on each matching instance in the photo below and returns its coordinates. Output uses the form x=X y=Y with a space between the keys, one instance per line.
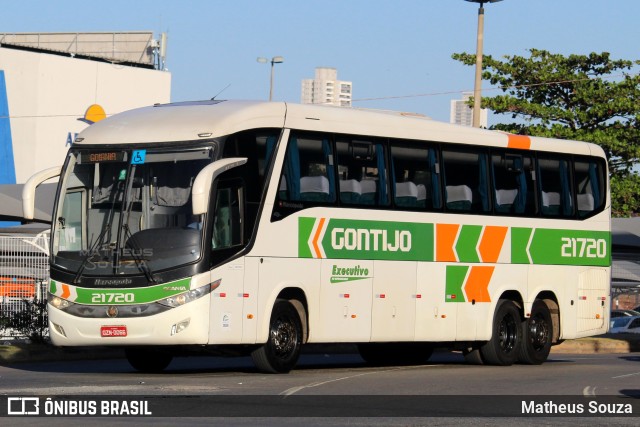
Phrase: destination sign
x=110 y=156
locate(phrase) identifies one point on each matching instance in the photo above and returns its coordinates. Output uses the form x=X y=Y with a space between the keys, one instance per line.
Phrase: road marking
x=589 y=391
x=293 y=390
x=627 y=375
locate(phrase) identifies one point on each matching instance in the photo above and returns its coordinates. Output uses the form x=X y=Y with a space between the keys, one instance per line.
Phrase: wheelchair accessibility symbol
x=138 y=157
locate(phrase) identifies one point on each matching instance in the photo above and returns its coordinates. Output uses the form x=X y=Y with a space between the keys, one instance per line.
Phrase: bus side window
x=228 y=217
x=415 y=177
x=589 y=184
x=555 y=198
x=513 y=185
x=307 y=174
x=466 y=181
x=362 y=172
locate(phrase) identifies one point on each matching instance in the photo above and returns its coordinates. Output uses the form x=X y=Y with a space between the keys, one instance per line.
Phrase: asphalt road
x=343 y=375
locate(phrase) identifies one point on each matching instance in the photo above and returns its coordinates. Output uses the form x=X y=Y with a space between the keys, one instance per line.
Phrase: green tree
x=582 y=97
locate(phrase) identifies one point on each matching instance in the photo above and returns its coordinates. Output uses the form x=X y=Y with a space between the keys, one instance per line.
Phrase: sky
x=397 y=53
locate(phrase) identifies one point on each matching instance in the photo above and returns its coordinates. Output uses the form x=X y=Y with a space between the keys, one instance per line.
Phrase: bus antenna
x=225 y=88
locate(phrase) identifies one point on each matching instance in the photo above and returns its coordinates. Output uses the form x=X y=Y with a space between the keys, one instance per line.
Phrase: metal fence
x=24 y=273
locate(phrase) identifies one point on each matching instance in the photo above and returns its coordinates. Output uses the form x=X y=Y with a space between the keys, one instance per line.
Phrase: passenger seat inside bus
x=368 y=191
x=406 y=194
x=586 y=203
x=314 y=189
x=505 y=200
x=350 y=191
x=550 y=203
x=422 y=196
x=459 y=197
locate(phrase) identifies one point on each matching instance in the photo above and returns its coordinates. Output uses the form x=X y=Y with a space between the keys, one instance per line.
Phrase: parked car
x=625 y=324
x=622 y=313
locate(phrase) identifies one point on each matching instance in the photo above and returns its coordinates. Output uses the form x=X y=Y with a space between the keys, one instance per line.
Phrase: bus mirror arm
x=29 y=190
x=202 y=184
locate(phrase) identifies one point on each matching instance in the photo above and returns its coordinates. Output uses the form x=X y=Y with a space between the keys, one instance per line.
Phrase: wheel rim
x=284 y=337
x=538 y=332
x=508 y=334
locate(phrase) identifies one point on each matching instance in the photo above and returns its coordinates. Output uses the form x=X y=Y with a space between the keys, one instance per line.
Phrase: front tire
x=537 y=333
x=502 y=349
x=280 y=353
x=148 y=361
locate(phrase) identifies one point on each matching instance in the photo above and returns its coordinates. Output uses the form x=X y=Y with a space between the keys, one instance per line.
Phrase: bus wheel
x=281 y=351
x=502 y=348
x=536 y=335
x=385 y=354
x=147 y=360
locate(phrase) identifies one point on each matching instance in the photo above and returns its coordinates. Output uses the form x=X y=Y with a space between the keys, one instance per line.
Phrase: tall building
x=462 y=112
x=326 y=89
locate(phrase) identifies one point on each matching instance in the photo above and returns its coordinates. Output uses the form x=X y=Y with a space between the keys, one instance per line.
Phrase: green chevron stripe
x=468 y=242
x=454 y=283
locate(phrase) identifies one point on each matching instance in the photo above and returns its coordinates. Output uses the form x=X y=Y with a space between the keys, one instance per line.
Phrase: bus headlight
x=58 y=302
x=186 y=297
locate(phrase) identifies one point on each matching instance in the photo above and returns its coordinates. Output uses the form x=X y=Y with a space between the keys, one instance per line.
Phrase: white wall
x=47 y=94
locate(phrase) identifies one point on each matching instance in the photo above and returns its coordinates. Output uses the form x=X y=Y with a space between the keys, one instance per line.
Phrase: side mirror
x=202 y=184
x=29 y=190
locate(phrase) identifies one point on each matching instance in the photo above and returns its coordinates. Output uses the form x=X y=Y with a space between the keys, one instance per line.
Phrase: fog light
x=179 y=327
x=59 y=329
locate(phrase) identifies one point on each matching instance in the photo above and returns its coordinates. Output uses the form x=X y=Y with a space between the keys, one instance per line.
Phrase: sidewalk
x=25 y=352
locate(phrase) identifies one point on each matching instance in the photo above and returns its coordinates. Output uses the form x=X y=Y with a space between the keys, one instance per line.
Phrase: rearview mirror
x=202 y=184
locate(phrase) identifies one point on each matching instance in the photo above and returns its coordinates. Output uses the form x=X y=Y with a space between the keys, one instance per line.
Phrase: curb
x=609 y=343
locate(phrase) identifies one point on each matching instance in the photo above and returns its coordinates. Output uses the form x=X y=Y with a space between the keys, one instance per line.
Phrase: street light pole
x=477 y=88
x=274 y=60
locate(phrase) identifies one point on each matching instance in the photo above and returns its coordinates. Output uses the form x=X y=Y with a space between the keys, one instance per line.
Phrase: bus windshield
x=128 y=211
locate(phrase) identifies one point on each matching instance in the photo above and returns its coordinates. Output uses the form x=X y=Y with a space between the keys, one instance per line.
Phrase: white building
x=325 y=88
x=462 y=113
x=49 y=81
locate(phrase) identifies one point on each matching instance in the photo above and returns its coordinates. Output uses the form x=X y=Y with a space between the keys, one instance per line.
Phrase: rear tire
x=537 y=333
x=148 y=361
x=386 y=354
x=280 y=353
x=503 y=347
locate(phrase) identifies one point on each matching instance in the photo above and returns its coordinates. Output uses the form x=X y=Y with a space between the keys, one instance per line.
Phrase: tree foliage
x=581 y=97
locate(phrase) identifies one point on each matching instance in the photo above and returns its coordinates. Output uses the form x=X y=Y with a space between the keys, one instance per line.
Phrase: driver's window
x=227 y=221
x=71 y=221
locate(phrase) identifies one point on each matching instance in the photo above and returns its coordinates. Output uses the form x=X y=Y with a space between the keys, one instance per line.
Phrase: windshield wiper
x=140 y=262
x=99 y=240
x=92 y=252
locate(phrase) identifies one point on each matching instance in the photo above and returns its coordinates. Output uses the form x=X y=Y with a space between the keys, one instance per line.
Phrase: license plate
x=113 y=331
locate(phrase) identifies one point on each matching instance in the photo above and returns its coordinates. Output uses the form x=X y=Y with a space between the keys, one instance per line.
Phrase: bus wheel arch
x=298 y=300
x=549 y=298
x=280 y=353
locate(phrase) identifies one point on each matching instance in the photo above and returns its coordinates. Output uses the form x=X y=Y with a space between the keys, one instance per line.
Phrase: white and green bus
x=255 y=228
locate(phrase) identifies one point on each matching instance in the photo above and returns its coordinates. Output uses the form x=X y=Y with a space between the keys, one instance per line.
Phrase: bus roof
x=189 y=121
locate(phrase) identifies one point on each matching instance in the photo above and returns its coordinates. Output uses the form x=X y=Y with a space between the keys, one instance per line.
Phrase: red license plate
x=113 y=331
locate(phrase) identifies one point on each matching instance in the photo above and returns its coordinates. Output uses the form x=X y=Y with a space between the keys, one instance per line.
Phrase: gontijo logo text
x=357 y=239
